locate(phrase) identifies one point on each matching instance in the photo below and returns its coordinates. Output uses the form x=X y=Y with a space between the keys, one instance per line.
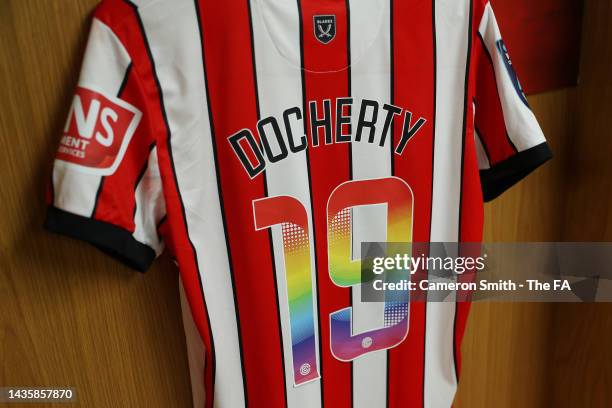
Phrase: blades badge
x=325 y=28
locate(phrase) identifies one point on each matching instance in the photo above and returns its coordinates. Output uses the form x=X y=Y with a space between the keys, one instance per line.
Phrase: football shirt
x=260 y=142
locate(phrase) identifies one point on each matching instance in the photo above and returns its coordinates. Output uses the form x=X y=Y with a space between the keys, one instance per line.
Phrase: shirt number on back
x=292 y=216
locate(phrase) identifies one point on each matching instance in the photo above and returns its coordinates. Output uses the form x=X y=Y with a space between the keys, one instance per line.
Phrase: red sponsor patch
x=97 y=132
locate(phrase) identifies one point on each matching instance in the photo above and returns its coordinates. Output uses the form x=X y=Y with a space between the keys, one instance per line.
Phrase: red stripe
x=116 y=201
x=326 y=77
x=123 y=19
x=413 y=89
x=233 y=106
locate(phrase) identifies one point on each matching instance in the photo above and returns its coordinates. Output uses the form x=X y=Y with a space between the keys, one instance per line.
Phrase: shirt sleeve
x=509 y=141
x=106 y=187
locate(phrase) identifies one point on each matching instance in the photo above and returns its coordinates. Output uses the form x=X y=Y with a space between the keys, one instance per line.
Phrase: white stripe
x=150 y=205
x=521 y=124
x=370 y=79
x=452 y=33
x=105 y=61
x=181 y=76
x=275 y=76
x=481 y=154
x=104 y=67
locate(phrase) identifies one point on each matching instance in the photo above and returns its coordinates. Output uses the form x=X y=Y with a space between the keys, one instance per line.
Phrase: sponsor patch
x=97 y=132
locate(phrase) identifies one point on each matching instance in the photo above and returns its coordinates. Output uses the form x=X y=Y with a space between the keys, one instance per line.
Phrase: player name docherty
x=330 y=122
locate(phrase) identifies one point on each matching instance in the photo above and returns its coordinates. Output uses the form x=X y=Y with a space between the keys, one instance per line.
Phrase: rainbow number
x=345 y=272
x=292 y=216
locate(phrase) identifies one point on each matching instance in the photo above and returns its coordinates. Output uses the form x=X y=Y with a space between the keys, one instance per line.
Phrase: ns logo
x=97 y=132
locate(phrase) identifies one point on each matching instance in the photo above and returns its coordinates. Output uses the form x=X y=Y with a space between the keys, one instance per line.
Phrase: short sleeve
x=509 y=141
x=106 y=187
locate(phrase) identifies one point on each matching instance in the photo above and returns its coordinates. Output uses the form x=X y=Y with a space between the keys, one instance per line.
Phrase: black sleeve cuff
x=504 y=175
x=109 y=238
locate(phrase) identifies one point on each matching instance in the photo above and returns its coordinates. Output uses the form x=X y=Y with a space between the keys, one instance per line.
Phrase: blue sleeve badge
x=503 y=50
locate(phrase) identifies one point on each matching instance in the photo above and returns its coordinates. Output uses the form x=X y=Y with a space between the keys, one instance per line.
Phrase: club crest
x=325 y=28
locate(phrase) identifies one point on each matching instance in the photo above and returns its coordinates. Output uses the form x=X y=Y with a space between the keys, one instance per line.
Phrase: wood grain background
x=554 y=355
x=71 y=316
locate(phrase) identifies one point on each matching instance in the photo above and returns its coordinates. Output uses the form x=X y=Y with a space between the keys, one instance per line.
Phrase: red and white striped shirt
x=260 y=142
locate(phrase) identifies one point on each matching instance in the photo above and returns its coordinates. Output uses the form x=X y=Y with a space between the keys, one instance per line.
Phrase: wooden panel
x=538 y=355
x=582 y=357
x=506 y=346
x=69 y=315
x=543 y=37
x=589 y=167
